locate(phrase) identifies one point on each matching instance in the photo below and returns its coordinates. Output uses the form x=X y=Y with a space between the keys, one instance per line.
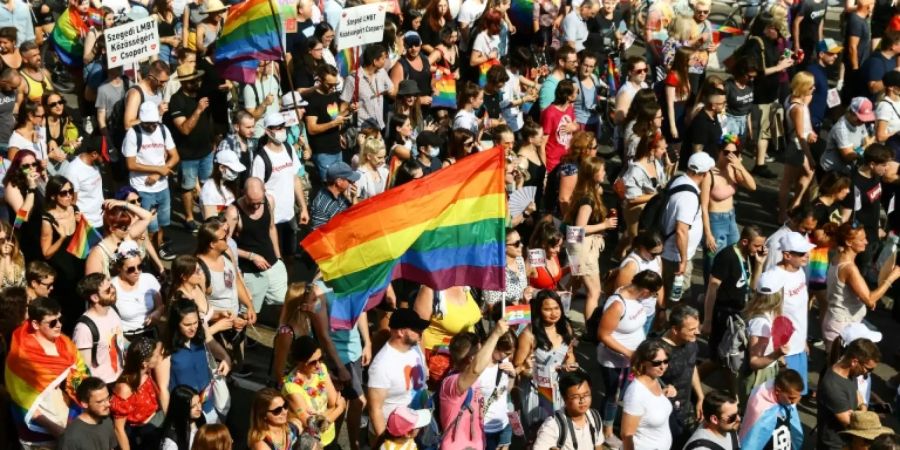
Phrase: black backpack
x=267 y=162
x=566 y=427
x=139 y=137
x=705 y=443
x=653 y=216
x=95 y=338
x=116 y=119
x=592 y=324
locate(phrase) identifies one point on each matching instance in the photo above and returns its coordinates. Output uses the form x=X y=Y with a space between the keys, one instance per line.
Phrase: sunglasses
x=66 y=193
x=516 y=243
x=314 y=362
x=660 y=362
x=732 y=418
x=48 y=285
x=28 y=166
x=57 y=103
x=38 y=116
x=640 y=71
x=277 y=411
x=702 y=12
x=4 y=240
x=729 y=152
x=53 y=323
x=797 y=254
x=655 y=254
x=136 y=201
x=133 y=269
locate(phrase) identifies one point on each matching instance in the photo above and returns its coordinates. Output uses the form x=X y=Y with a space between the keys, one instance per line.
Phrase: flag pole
x=277 y=19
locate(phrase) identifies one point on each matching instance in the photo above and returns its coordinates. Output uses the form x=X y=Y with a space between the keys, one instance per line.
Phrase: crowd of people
x=115 y=334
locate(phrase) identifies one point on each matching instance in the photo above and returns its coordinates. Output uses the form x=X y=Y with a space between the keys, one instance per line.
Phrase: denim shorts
x=195 y=168
x=502 y=437
x=162 y=201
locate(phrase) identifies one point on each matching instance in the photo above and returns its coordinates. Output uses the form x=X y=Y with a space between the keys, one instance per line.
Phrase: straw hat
x=188 y=72
x=212 y=6
x=866 y=425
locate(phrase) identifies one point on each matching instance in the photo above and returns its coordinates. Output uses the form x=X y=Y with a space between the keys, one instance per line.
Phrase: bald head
x=255 y=190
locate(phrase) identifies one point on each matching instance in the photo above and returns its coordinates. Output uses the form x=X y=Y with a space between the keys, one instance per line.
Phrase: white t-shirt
x=39 y=148
x=401 y=373
x=252 y=99
x=512 y=90
x=281 y=183
x=548 y=435
x=889 y=111
x=470 y=11
x=655 y=265
x=110 y=345
x=466 y=120
x=212 y=195
x=495 y=418
x=653 y=430
x=795 y=306
x=629 y=332
x=761 y=327
x=134 y=306
x=683 y=207
x=486 y=44
x=88 y=184
x=773 y=246
x=575 y=29
x=152 y=153
x=455 y=6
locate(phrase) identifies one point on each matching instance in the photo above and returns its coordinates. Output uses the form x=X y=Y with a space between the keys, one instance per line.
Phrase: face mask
x=278 y=137
x=228 y=174
x=434 y=152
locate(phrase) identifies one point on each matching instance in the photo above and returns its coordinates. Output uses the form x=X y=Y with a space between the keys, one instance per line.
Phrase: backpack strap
x=466 y=406
x=706 y=443
x=95 y=336
x=206 y=273
x=561 y=423
x=670 y=192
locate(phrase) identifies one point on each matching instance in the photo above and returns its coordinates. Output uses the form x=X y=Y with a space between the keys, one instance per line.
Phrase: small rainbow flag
x=612 y=76
x=21 y=218
x=346 y=62
x=251 y=34
x=455 y=237
x=723 y=29
x=817 y=269
x=518 y=314
x=444 y=89
x=483 y=70
x=83 y=239
x=393 y=167
x=67 y=38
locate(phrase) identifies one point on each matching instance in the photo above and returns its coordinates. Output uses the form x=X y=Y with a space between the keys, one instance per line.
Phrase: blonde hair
x=697 y=3
x=684 y=28
x=761 y=304
x=802 y=84
x=371 y=145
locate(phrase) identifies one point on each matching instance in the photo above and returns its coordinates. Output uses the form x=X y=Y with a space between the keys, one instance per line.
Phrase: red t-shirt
x=554 y=123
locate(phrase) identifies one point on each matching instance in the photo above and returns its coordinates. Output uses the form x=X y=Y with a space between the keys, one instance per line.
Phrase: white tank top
x=655 y=265
x=629 y=333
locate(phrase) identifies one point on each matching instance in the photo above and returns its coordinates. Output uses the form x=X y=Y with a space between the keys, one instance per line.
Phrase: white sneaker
x=613 y=442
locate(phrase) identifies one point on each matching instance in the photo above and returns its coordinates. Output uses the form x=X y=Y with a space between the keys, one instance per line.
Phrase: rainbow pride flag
x=84 y=238
x=21 y=218
x=445 y=229
x=612 y=76
x=67 y=40
x=251 y=34
x=483 y=71
x=444 y=89
x=346 y=62
x=817 y=268
x=31 y=375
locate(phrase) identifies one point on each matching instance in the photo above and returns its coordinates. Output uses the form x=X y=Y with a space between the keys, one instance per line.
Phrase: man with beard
x=566 y=65
x=98 y=333
x=414 y=66
x=190 y=120
x=684 y=327
x=92 y=429
x=149 y=89
x=397 y=372
x=721 y=421
x=86 y=180
x=10 y=82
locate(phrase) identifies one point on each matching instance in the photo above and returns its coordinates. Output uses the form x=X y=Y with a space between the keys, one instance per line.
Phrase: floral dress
x=314 y=392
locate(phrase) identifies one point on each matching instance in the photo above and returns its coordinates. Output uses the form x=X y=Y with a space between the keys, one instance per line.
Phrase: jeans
x=325 y=160
x=615 y=380
x=725 y=230
x=162 y=202
x=192 y=169
x=502 y=437
x=736 y=125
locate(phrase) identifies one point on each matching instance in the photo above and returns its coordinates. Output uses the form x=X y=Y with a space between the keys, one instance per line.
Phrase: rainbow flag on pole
x=21 y=218
x=612 y=76
x=251 y=34
x=443 y=230
x=67 y=38
x=346 y=62
x=83 y=239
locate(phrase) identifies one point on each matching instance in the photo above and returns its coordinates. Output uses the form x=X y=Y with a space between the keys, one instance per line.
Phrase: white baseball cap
x=795 y=242
x=274 y=119
x=149 y=112
x=769 y=283
x=859 y=330
x=701 y=162
x=230 y=160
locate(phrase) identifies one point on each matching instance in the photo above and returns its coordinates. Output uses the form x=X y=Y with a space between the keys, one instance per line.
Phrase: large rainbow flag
x=31 y=375
x=251 y=34
x=443 y=230
x=83 y=239
x=67 y=38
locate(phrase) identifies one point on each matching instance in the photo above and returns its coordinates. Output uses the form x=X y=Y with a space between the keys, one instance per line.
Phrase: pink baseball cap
x=404 y=419
x=862 y=107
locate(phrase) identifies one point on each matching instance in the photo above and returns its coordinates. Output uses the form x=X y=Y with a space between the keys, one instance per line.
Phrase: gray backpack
x=733 y=347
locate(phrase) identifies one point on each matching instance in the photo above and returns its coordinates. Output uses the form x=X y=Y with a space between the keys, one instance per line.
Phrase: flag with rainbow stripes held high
x=612 y=76
x=455 y=237
x=251 y=34
x=67 y=38
x=84 y=238
x=21 y=218
x=346 y=62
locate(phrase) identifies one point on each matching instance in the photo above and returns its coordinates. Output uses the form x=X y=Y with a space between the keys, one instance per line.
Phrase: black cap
x=407 y=318
x=432 y=139
x=891 y=79
x=92 y=143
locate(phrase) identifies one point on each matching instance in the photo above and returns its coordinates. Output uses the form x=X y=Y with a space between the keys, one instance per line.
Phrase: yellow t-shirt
x=455 y=320
x=314 y=394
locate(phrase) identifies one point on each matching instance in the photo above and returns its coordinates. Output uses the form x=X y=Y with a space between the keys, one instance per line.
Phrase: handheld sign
x=361 y=25
x=518 y=314
x=132 y=42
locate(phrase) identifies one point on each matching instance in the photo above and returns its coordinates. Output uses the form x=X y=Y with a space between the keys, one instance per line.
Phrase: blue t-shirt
x=818 y=106
x=873 y=70
x=348 y=343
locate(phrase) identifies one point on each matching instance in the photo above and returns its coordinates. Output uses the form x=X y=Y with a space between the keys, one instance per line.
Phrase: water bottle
x=677 y=288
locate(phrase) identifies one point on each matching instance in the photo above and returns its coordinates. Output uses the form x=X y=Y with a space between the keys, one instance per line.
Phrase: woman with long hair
x=445 y=53
x=545 y=346
x=138 y=299
x=12 y=263
x=547 y=237
x=135 y=402
x=306 y=67
x=645 y=255
x=60 y=131
x=799 y=162
x=646 y=409
x=212 y=436
x=325 y=33
x=298 y=318
x=644 y=118
x=621 y=330
x=272 y=425
x=848 y=295
x=450 y=312
x=23 y=190
x=531 y=153
x=677 y=93
x=558 y=121
x=162 y=11
x=486 y=46
x=118 y=226
x=309 y=390
x=407 y=104
x=436 y=18
x=223 y=187
x=401 y=141
x=59 y=221
x=561 y=181
x=710 y=83
x=470 y=97
x=28 y=134
x=185 y=349
x=372 y=169
x=645 y=176
x=462 y=143
x=183 y=419
x=717 y=198
x=94 y=55
x=188 y=283
x=590 y=214
x=762 y=308
x=516 y=279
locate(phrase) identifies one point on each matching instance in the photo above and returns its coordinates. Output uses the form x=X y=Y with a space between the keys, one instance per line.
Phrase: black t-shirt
x=739 y=100
x=602 y=31
x=835 y=395
x=198 y=143
x=823 y=213
x=429 y=36
x=587 y=201
x=705 y=131
x=858 y=27
x=492 y=105
x=680 y=373
x=735 y=277
x=813 y=11
x=864 y=199
x=218 y=99
x=766 y=87
x=324 y=107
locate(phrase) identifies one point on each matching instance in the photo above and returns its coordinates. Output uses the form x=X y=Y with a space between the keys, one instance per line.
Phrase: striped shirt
x=325 y=206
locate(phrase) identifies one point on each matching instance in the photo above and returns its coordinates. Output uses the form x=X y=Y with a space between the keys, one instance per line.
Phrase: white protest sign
x=361 y=25
x=131 y=42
